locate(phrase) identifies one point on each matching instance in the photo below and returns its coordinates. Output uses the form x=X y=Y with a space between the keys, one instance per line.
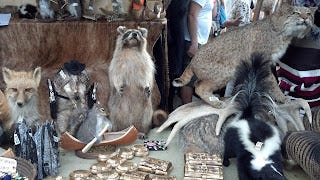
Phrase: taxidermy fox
x=215 y=63
x=22 y=95
x=4 y=111
x=131 y=75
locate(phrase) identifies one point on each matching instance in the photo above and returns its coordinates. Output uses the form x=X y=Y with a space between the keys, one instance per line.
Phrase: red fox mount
x=22 y=95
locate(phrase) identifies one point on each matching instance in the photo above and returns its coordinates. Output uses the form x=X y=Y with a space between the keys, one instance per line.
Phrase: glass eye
x=295 y=12
x=29 y=90
x=14 y=89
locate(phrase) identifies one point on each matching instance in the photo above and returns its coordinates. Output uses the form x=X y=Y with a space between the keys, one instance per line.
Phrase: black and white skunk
x=249 y=137
x=27 y=11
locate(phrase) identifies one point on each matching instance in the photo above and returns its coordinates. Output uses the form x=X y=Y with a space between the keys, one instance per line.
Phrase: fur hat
x=74 y=67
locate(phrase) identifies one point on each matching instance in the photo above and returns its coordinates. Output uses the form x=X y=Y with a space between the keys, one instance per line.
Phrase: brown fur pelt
x=199 y=136
x=4 y=110
x=26 y=44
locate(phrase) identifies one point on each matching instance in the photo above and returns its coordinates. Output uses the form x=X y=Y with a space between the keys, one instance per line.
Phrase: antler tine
x=296 y=105
x=223 y=116
x=305 y=106
x=226 y=112
x=192 y=114
x=172 y=116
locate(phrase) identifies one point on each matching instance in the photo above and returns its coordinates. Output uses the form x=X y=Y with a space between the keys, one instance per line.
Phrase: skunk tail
x=252 y=86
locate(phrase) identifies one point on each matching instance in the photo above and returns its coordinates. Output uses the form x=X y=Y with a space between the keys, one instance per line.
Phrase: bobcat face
x=299 y=21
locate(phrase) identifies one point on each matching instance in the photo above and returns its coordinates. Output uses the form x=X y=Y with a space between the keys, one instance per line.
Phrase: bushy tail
x=252 y=86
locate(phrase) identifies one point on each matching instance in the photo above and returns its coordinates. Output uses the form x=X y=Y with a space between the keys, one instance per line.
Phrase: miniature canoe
x=126 y=136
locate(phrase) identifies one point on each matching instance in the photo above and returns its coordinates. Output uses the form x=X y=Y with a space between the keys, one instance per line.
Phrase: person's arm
x=193 y=13
x=222 y=3
x=232 y=23
x=215 y=8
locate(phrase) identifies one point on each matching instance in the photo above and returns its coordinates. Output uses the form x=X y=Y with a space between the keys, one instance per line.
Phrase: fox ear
x=6 y=74
x=37 y=75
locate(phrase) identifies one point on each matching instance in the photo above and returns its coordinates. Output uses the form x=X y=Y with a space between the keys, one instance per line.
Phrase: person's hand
x=238 y=21
x=192 y=50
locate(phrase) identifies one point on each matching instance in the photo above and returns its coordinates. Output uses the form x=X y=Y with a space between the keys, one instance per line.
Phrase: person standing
x=197 y=31
x=240 y=14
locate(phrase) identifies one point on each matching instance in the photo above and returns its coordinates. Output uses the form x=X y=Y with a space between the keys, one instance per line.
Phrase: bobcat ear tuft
x=37 y=75
x=6 y=73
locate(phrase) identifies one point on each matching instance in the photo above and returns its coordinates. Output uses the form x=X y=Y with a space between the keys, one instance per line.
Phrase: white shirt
x=204 y=22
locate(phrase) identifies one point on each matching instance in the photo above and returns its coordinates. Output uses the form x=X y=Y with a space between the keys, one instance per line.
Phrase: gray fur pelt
x=303 y=147
x=199 y=136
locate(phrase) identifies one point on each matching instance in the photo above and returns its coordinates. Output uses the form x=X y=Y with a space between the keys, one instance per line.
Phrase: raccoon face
x=132 y=37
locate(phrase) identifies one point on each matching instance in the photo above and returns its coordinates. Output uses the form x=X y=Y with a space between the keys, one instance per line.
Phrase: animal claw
x=121 y=90
x=177 y=83
x=147 y=91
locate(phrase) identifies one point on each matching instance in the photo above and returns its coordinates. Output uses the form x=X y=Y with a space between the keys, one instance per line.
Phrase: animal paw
x=177 y=83
x=226 y=162
x=142 y=136
x=215 y=102
x=121 y=90
x=147 y=91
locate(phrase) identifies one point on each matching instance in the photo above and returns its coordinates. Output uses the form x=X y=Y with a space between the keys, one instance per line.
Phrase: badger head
x=128 y=38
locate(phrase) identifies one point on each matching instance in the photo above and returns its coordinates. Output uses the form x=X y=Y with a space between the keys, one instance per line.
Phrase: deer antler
x=192 y=111
x=290 y=112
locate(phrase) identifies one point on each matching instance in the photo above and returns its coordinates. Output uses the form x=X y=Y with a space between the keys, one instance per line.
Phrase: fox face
x=21 y=86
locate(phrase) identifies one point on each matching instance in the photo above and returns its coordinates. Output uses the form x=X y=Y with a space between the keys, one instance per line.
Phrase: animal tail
x=159 y=117
x=252 y=86
x=185 y=78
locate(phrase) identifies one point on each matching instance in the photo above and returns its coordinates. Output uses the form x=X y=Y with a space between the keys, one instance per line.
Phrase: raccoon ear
x=143 y=31
x=121 y=29
x=37 y=75
x=6 y=73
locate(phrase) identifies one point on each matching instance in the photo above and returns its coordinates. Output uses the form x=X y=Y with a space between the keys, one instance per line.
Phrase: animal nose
x=134 y=34
x=77 y=98
x=20 y=104
x=304 y=16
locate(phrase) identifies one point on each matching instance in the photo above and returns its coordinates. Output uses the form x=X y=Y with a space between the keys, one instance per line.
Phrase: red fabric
x=296 y=79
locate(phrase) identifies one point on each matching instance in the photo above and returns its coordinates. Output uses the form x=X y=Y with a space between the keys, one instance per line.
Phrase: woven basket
x=25 y=168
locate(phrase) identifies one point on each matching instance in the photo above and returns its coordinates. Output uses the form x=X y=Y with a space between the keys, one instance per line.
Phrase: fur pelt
x=248 y=129
x=26 y=45
x=199 y=136
x=4 y=111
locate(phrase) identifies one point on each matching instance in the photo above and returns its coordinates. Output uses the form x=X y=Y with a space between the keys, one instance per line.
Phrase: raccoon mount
x=132 y=81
